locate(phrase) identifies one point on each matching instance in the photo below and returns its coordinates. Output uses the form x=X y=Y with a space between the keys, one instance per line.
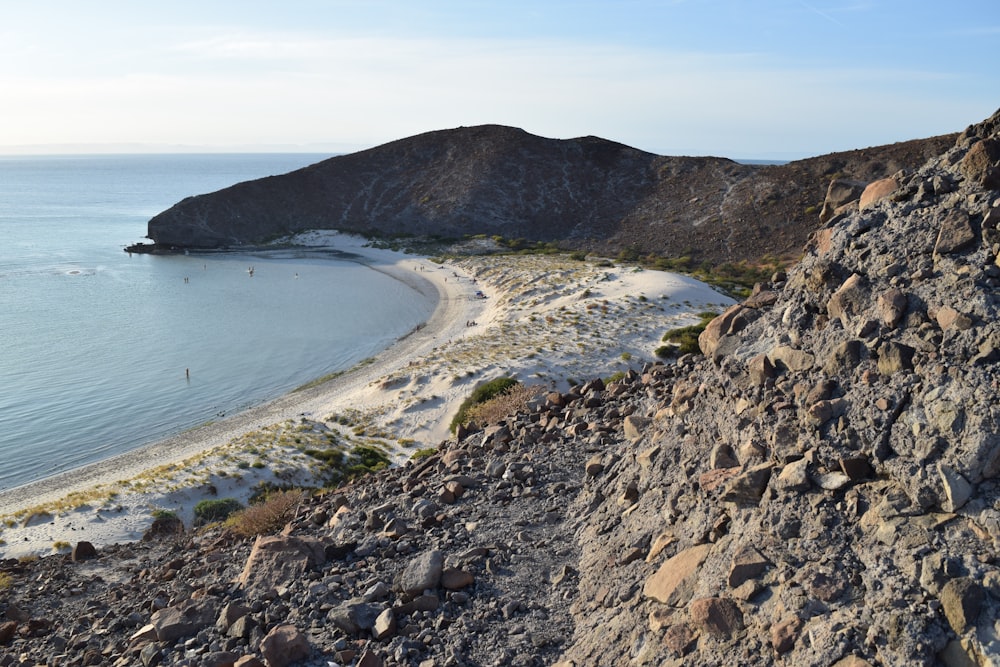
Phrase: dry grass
x=6 y=581
x=501 y=407
x=266 y=517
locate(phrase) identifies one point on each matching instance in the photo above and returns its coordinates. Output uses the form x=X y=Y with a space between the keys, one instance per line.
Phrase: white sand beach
x=545 y=320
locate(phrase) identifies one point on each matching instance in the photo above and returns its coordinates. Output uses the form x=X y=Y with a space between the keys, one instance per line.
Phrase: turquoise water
x=102 y=351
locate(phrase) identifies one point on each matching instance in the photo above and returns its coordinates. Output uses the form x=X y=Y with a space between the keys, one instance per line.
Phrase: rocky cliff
x=586 y=193
x=822 y=487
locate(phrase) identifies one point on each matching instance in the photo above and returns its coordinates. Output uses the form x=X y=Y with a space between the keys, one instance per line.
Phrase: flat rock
x=673 y=583
x=748 y=563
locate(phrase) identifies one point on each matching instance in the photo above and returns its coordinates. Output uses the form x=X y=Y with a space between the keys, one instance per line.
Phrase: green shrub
x=215 y=509
x=684 y=340
x=481 y=394
x=666 y=351
x=614 y=377
x=363 y=460
x=423 y=453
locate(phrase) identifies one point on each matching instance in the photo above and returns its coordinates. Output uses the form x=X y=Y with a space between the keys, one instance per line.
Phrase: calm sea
x=96 y=345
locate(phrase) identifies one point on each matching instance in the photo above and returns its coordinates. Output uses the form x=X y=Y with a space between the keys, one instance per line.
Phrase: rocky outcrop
x=586 y=193
x=857 y=514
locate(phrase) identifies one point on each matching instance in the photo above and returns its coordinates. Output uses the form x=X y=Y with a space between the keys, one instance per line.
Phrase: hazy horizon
x=779 y=79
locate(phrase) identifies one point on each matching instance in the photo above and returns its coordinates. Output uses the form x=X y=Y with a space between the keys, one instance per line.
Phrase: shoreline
x=290 y=405
x=544 y=320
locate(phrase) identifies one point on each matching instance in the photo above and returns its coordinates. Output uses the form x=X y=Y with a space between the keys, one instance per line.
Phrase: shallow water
x=102 y=351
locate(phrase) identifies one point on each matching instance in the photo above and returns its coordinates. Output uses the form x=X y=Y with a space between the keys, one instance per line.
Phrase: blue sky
x=777 y=79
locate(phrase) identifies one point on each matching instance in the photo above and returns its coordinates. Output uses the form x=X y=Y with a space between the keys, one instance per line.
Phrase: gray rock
x=961 y=600
x=422 y=573
x=956 y=232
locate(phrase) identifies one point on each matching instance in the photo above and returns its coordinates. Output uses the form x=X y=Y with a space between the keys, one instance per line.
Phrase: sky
x=745 y=79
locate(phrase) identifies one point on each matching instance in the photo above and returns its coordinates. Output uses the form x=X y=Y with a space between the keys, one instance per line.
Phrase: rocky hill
x=821 y=487
x=586 y=193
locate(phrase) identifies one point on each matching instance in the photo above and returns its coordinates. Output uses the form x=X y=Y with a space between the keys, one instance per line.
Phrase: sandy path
x=455 y=305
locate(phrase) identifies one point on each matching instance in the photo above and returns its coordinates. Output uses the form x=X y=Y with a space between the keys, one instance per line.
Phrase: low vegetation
x=502 y=406
x=267 y=516
x=423 y=453
x=684 y=340
x=344 y=465
x=215 y=509
x=481 y=394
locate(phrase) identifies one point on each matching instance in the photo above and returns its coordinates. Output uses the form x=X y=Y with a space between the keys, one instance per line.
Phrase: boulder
x=453 y=579
x=760 y=369
x=877 y=191
x=283 y=645
x=731 y=322
x=982 y=163
x=848 y=302
x=956 y=489
x=895 y=357
x=748 y=563
x=354 y=616
x=949 y=318
x=961 y=600
x=891 y=306
x=719 y=617
x=956 y=232
x=748 y=487
x=276 y=559
x=182 y=620
x=791 y=359
x=422 y=573
x=841 y=191
x=784 y=634
x=385 y=625
x=635 y=426
x=844 y=358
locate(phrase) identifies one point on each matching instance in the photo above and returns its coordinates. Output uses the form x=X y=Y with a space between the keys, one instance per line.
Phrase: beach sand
x=544 y=320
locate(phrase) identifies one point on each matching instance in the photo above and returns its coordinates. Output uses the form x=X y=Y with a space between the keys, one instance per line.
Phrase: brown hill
x=585 y=193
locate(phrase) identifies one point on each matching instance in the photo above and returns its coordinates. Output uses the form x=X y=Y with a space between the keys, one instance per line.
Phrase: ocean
x=102 y=352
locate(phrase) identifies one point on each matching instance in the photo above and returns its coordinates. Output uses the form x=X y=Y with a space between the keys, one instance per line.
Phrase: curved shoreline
x=303 y=401
x=546 y=320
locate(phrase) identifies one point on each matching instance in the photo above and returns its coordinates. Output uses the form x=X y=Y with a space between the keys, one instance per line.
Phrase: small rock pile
x=821 y=488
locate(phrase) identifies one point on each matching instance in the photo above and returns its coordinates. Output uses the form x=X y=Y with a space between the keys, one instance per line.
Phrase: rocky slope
x=586 y=193
x=821 y=488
